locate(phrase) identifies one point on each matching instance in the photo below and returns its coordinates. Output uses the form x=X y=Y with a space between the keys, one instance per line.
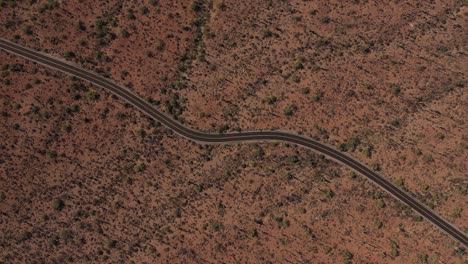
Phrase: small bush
x=92 y=95
x=375 y=166
x=326 y=19
x=80 y=25
x=367 y=151
x=396 y=89
x=380 y=203
x=423 y=258
x=139 y=167
x=349 y=145
x=131 y=14
x=222 y=6
x=124 y=33
x=270 y=100
x=196 y=6
x=51 y=154
x=58 y=204
x=69 y=54
x=27 y=30
x=298 y=64
x=329 y=193
x=317 y=96
x=394 y=249
x=428 y=158
x=290 y=109
x=456 y=213
x=378 y=224
x=347 y=257
x=439 y=135
x=25 y=236
x=149 y=54
x=267 y=33
x=160 y=45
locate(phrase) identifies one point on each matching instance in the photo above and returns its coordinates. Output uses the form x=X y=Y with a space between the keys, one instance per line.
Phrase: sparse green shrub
x=223 y=128
x=124 y=33
x=58 y=204
x=349 y=145
x=69 y=54
x=196 y=6
x=395 y=122
x=26 y=235
x=290 y=109
x=400 y=182
x=418 y=152
x=378 y=224
x=131 y=14
x=51 y=154
x=296 y=79
x=140 y=132
x=428 y=158
x=317 y=96
x=380 y=203
x=423 y=258
x=396 y=89
x=298 y=64
x=149 y=54
x=368 y=86
x=252 y=232
x=80 y=25
x=376 y=166
x=394 y=249
x=289 y=176
x=222 y=6
x=82 y=43
x=270 y=100
x=258 y=152
x=347 y=257
x=267 y=33
x=456 y=213
x=27 y=30
x=367 y=151
x=92 y=95
x=329 y=193
x=439 y=135
x=144 y=10
x=160 y=45
x=326 y=19
x=139 y=167
x=111 y=243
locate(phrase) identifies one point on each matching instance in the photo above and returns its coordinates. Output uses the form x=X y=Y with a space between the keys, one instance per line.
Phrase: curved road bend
x=191 y=134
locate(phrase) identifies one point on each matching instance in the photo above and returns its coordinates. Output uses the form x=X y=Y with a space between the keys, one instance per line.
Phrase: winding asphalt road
x=198 y=136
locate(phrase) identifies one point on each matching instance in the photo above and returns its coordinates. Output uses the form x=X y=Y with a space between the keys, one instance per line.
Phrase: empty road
x=198 y=136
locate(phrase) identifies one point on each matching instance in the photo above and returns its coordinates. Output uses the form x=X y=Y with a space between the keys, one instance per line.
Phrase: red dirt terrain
x=86 y=178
